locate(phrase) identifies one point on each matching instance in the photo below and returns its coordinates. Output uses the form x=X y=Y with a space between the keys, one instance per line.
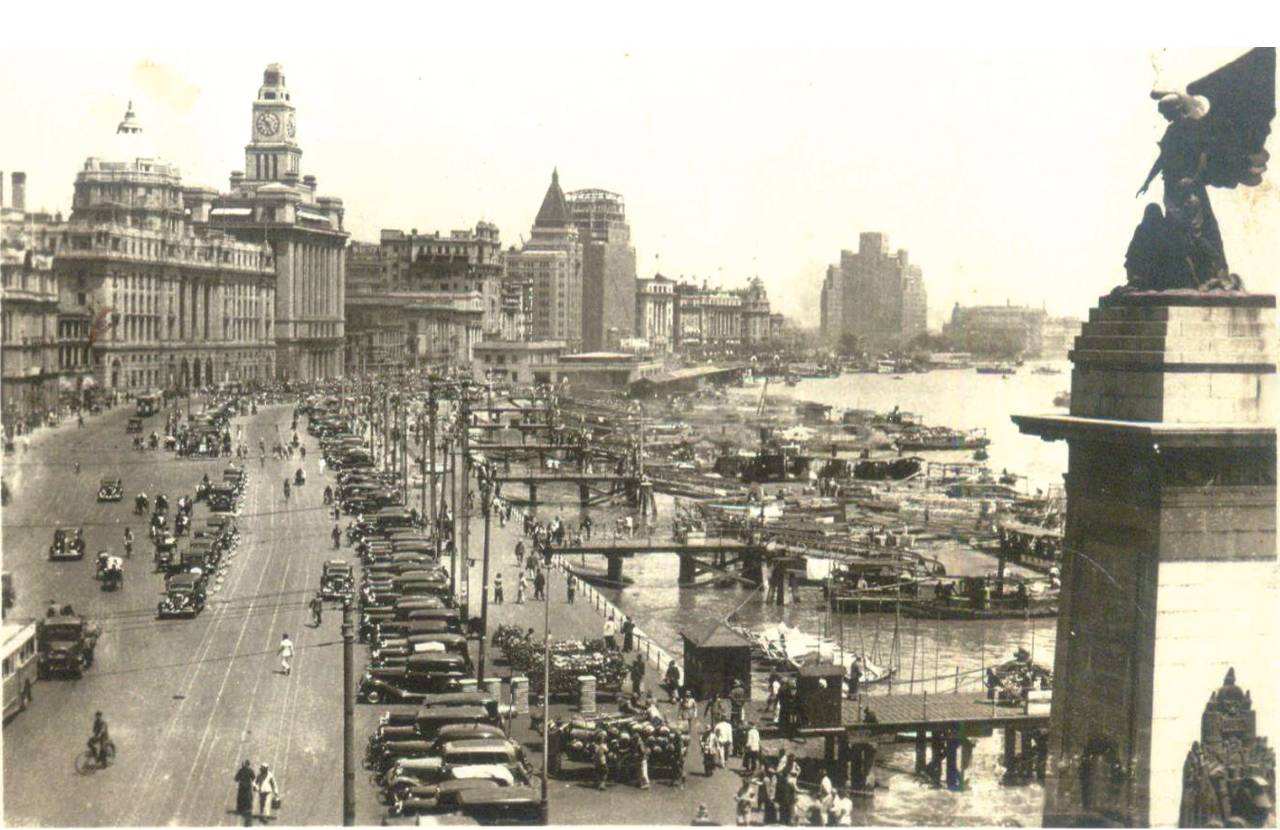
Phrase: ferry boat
x=996 y=369
x=1046 y=369
x=971 y=598
x=942 y=438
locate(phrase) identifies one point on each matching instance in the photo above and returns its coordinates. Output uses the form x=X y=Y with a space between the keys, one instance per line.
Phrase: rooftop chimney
x=19 y=191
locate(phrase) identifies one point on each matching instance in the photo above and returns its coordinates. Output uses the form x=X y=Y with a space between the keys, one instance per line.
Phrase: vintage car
x=222 y=498
x=110 y=489
x=65 y=644
x=502 y=805
x=183 y=596
x=434 y=765
x=442 y=674
x=134 y=425
x=66 y=544
x=166 y=552
x=336 y=580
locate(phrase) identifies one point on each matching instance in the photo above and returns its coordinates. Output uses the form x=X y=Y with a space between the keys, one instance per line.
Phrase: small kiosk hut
x=715 y=656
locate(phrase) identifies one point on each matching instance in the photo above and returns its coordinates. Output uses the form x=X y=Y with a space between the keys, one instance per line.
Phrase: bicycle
x=87 y=761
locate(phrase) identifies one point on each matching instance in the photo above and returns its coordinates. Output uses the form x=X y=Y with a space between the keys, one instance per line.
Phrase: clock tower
x=273 y=153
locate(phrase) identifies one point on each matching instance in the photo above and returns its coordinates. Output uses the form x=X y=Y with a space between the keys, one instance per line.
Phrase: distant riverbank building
x=875 y=295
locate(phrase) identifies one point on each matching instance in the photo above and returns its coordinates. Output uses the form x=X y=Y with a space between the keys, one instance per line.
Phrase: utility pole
x=465 y=492
x=449 y=491
x=486 y=507
x=348 y=721
x=544 y=805
x=404 y=448
x=431 y=453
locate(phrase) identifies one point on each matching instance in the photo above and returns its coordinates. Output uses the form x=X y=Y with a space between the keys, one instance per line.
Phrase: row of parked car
x=187 y=569
x=442 y=746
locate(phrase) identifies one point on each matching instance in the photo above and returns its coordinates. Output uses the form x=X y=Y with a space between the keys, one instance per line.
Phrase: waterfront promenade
x=573 y=799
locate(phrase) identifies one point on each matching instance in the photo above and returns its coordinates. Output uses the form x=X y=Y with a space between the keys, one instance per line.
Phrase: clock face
x=292 y=128
x=268 y=123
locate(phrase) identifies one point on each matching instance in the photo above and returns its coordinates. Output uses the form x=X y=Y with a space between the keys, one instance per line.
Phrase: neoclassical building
x=271 y=201
x=168 y=303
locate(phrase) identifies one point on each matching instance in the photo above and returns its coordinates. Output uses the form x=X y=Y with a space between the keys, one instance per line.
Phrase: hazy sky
x=1006 y=174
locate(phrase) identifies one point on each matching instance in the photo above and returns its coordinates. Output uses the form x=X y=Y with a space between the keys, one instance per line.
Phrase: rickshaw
x=112 y=575
x=68 y=543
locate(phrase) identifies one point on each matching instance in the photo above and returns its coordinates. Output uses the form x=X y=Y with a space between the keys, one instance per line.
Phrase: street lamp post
x=348 y=722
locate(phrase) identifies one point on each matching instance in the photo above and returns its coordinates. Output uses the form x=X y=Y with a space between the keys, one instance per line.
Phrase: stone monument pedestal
x=1168 y=570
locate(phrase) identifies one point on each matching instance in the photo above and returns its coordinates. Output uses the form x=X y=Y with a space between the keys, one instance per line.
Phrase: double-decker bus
x=18 y=648
x=149 y=404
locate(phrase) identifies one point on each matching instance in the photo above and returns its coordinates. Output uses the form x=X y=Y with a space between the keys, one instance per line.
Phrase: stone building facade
x=877 y=296
x=550 y=265
x=29 y=347
x=655 y=312
x=716 y=318
x=997 y=329
x=608 y=267
x=272 y=201
x=167 y=303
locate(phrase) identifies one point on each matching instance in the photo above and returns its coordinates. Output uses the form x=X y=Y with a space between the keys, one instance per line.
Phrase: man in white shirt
x=751 y=749
x=610 y=629
x=724 y=741
x=286 y=654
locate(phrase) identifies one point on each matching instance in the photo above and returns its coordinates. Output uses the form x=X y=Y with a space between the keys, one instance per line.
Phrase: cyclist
x=99 y=739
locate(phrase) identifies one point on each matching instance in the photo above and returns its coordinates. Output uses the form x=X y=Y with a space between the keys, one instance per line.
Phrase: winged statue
x=1216 y=137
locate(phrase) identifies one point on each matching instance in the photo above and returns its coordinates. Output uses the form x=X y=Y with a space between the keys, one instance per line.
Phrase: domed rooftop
x=130 y=141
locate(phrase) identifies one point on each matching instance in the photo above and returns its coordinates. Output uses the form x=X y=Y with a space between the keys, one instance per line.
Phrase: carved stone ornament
x=1229 y=778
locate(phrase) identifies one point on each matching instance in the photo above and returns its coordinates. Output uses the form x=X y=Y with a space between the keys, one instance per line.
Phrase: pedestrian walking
x=628 y=634
x=244 y=792
x=610 y=629
x=539 y=585
x=520 y=554
x=724 y=742
x=601 y=760
x=642 y=754
x=286 y=654
x=337 y=537
x=268 y=793
x=570 y=587
x=497 y=590
x=520 y=589
x=317 y=610
x=689 y=710
x=751 y=749
x=637 y=674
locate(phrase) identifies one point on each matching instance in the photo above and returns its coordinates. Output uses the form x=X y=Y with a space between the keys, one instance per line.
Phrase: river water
x=930 y=653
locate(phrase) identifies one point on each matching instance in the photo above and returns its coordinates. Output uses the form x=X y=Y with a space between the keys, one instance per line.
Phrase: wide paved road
x=186 y=701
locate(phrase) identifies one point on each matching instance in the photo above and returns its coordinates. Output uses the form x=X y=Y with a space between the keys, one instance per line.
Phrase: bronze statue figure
x=1216 y=138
